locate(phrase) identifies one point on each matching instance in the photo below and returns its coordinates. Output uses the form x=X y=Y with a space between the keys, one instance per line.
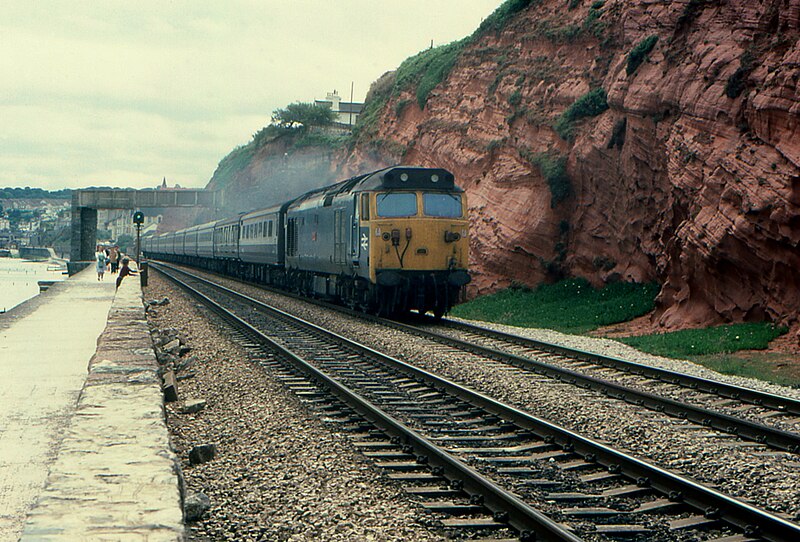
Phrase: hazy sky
x=125 y=93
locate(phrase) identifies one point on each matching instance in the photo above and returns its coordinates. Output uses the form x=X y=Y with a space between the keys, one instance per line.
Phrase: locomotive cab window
x=441 y=205
x=396 y=204
x=364 y=206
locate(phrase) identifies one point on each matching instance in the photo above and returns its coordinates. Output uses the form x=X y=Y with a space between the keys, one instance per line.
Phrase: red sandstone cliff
x=675 y=182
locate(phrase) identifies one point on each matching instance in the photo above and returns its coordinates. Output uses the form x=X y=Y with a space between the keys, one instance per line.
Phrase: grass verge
x=710 y=340
x=574 y=306
x=570 y=306
x=729 y=349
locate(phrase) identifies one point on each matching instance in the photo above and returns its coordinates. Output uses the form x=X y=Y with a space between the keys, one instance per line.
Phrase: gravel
x=749 y=471
x=761 y=415
x=279 y=472
x=612 y=348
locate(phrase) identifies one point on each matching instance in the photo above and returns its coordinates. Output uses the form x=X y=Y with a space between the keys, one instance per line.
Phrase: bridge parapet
x=104 y=198
x=86 y=202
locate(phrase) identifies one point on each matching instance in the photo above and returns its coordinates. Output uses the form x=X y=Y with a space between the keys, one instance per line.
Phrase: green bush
x=554 y=169
x=571 y=306
x=737 y=82
x=590 y=104
x=303 y=115
x=592 y=24
x=639 y=53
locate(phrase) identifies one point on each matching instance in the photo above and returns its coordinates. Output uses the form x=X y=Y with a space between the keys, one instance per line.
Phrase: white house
x=346 y=112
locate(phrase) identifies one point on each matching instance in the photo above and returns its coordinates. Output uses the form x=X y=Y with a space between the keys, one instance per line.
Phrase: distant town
x=38 y=218
x=33 y=217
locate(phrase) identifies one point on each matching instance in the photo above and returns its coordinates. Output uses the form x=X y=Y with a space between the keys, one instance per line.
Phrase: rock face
x=691 y=177
x=262 y=174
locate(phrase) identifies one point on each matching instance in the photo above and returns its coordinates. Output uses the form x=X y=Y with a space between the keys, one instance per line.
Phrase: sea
x=19 y=280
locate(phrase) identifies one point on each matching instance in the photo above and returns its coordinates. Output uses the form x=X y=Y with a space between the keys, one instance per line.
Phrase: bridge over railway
x=86 y=202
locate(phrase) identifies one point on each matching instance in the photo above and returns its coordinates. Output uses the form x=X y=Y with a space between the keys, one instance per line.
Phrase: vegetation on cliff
x=298 y=125
x=553 y=168
x=427 y=69
x=590 y=104
x=639 y=53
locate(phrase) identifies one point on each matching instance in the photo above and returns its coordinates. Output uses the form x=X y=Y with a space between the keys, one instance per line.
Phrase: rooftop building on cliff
x=347 y=112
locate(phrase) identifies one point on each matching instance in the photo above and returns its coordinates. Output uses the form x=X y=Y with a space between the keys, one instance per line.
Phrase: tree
x=302 y=115
x=126 y=243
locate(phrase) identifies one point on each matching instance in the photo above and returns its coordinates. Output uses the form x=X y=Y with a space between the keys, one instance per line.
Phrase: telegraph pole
x=351 y=102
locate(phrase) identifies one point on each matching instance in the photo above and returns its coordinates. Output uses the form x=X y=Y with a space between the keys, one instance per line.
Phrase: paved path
x=116 y=476
x=43 y=365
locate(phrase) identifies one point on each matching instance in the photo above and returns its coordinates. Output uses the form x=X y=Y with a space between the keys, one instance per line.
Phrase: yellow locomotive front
x=418 y=240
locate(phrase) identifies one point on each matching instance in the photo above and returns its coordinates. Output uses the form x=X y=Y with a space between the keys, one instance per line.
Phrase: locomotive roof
x=391 y=178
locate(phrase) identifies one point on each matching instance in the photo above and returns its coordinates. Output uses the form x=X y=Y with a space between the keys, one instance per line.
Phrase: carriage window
x=396 y=204
x=444 y=205
x=270 y=228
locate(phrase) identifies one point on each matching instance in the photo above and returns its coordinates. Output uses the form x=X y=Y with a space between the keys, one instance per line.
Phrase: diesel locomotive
x=388 y=242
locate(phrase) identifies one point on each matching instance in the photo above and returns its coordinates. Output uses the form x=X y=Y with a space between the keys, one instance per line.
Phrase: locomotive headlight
x=404 y=177
x=434 y=178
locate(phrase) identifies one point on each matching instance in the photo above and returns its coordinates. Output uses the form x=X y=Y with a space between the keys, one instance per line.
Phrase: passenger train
x=388 y=242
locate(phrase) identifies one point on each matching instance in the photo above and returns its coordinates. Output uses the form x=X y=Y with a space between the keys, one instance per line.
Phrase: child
x=124 y=271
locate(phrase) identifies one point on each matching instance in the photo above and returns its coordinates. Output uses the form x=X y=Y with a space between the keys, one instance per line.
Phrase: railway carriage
x=205 y=240
x=261 y=244
x=226 y=246
x=190 y=243
x=179 y=247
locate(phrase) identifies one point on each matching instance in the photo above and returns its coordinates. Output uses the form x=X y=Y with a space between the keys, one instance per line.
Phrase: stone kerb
x=116 y=476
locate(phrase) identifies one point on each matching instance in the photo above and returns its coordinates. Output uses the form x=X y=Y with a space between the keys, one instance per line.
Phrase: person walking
x=100 y=264
x=114 y=259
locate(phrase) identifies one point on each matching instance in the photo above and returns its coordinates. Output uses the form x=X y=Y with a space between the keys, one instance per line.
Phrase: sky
x=112 y=93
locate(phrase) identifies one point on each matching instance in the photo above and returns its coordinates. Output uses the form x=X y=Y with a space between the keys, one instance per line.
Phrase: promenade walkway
x=84 y=453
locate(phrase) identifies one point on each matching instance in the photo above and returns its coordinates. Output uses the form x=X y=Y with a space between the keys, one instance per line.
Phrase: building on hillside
x=120 y=222
x=346 y=112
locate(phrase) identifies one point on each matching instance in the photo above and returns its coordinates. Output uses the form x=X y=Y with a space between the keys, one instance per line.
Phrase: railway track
x=748 y=414
x=675 y=394
x=487 y=464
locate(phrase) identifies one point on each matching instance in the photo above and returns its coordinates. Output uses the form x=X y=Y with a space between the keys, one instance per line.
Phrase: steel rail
x=781 y=403
x=714 y=504
x=746 y=429
x=520 y=515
